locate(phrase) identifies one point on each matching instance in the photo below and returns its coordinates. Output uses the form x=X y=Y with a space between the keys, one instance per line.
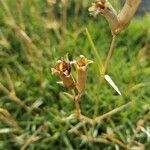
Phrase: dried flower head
x=82 y=66
x=117 y=22
x=98 y=7
x=63 y=69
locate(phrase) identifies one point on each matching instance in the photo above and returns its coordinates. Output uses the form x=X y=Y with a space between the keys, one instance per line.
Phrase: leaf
x=111 y=82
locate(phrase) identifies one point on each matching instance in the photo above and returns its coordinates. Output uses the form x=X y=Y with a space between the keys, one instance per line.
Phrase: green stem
x=108 y=58
x=98 y=58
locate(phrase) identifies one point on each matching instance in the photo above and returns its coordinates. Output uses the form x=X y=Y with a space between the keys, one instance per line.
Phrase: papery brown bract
x=82 y=67
x=63 y=69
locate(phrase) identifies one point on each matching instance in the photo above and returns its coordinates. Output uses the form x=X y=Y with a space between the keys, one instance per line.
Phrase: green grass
x=29 y=67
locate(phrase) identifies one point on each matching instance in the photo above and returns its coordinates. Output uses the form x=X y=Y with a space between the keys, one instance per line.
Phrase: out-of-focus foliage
x=33 y=35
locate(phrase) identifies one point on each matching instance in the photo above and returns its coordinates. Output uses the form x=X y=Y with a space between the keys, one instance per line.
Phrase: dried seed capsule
x=117 y=21
x=104 y=8
x=63 y=70
x=82 y=66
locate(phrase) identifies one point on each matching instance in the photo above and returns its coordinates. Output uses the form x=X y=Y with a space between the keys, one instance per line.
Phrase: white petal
x=60 y=83
x=111 y=82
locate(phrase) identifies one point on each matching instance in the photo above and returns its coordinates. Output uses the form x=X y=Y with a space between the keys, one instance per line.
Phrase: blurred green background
x=36 y=33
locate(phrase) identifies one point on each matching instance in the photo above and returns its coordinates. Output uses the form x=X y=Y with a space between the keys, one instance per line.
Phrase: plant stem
x=108 y=58
x=33 y=137
x=98 y=58
x=79 y=115
x=77 y=105
x=13 y=97
x=115 y=140
x=110 y=113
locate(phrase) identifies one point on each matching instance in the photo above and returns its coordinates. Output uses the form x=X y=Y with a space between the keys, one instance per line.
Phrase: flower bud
x=63 y=70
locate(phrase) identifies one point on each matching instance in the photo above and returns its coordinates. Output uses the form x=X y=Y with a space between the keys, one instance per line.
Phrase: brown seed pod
x=63 y=69
x=117 y=22
x=104 y=8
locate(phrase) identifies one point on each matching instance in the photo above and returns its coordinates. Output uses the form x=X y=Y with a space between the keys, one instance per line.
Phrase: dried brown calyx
x=100 y=6
x=117 y=22
x=82 y=66
x=63 y=69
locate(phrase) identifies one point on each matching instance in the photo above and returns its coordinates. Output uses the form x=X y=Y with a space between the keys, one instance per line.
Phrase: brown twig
x=79 y=115
x=95 y=120
x=115 y=140
x=77 y=105
x=19 y=10
x=88 y=138
x=7 y=118
x=10 y=83
x=32 y=137
x=13 y=97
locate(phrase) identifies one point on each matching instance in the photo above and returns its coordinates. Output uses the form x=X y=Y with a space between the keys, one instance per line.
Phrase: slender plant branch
x=98 y=58
x=78 y=113
x=112 y=112
x=95 y=120
x=115 y=140
x=109 y=55
x=77 y=105
x=33 y=138
x=13 y=97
